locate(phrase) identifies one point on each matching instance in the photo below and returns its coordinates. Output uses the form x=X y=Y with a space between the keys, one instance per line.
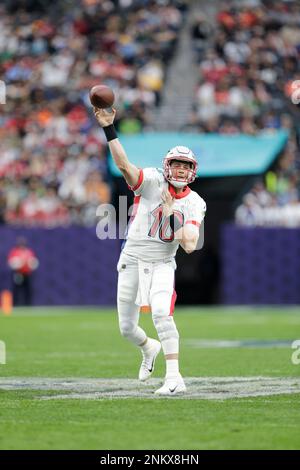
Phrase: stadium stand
x=246 y=71
x=53 y=156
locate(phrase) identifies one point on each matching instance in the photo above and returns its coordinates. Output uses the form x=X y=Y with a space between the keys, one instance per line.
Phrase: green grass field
x=63 y=343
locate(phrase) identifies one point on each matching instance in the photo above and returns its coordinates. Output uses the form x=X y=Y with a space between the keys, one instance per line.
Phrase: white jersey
x=149 y=235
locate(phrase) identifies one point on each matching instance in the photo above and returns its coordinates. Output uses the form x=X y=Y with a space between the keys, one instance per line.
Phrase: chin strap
x=178 y=184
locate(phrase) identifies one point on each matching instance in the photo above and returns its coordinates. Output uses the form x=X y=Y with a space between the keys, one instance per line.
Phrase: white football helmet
x=183 y=154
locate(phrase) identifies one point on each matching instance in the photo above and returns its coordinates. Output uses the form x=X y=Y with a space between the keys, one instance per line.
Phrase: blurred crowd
x=247 y=67
x=52 y=153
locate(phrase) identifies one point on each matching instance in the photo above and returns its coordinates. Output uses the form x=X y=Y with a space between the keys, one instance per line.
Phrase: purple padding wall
x=76 y=268
x=260 y=265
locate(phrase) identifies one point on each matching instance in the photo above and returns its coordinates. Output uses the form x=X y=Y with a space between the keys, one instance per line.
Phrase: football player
x=166 y=213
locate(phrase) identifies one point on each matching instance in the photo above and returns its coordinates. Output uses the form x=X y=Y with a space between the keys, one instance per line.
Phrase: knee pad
x=167 y=333
x=164 y=324
x=128 y=323
x=127 y=328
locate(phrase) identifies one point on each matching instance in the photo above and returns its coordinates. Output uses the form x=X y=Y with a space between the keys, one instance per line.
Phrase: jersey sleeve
x=195 y=212
x=148 y=178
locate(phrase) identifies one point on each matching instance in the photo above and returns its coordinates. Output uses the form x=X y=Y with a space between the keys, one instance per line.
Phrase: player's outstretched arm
x=129 y=171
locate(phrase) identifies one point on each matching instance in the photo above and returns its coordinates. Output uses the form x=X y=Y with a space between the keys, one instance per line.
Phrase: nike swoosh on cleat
x=173 y=390
x=150 y=370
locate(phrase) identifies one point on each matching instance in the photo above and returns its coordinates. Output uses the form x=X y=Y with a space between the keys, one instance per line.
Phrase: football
x=101 y=96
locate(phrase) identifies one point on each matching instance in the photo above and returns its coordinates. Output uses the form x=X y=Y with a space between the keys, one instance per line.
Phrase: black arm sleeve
x=110 y=132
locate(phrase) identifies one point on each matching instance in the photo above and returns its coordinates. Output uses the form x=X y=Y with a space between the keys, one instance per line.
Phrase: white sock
x=172 y=367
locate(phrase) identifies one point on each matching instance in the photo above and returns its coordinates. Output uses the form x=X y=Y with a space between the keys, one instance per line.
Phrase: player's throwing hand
x=105 y=117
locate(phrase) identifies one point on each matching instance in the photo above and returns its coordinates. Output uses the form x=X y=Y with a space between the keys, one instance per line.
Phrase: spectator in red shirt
x=23 y=262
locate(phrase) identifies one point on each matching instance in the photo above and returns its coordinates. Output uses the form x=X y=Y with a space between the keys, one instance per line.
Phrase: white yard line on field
x=208 y=388
x=243 y=343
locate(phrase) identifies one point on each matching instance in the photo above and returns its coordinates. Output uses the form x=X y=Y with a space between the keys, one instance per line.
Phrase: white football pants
x=161 y=299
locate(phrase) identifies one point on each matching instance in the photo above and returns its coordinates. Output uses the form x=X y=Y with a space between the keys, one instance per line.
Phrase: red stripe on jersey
x=194 y=222
x=140 y=180
x=136 y=202
x=173 y=300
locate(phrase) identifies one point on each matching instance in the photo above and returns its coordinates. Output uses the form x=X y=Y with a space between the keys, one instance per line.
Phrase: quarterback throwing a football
x=166 y=213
